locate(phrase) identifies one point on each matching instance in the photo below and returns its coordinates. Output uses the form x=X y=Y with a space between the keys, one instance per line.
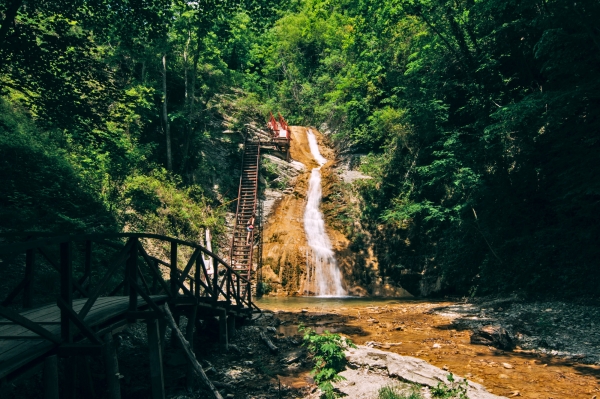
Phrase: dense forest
x=478 y=121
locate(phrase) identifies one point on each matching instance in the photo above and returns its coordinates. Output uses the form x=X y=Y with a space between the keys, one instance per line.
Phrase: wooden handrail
x=49 y=240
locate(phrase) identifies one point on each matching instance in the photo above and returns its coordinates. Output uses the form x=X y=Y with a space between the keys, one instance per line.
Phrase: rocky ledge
x=370 y=369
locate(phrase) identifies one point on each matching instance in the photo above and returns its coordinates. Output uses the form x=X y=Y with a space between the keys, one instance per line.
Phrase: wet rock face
x=495 y=336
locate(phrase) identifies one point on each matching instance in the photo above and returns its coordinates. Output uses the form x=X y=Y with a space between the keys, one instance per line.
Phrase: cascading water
x=327 y=278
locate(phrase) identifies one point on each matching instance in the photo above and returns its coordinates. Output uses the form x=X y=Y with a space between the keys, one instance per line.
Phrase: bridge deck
x=15 y=353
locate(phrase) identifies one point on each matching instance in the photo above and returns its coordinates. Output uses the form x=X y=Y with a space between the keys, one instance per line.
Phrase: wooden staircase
x=242 y=246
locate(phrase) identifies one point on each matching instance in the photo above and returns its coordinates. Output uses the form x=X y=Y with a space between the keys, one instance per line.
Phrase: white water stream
x=327 y=278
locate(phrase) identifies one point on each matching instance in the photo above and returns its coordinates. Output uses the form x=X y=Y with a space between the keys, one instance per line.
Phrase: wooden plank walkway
x=15 y=352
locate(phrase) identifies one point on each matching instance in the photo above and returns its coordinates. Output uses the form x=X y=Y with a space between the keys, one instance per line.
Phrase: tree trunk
x=192 y=99
x=165 y=114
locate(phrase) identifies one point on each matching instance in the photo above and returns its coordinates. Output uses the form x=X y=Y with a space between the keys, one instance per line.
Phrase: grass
x=395 y=392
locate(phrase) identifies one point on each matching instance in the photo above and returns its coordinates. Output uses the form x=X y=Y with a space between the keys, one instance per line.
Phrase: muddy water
x=405 y=327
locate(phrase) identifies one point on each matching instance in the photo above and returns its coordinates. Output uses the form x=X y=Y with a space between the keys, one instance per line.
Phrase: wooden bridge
x=98 y=283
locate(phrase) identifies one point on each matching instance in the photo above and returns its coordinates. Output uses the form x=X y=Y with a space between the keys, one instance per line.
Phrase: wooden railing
x=131 y=271
x=145 y=273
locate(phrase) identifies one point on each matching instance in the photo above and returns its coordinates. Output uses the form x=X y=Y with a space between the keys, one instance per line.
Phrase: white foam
x=327 y=279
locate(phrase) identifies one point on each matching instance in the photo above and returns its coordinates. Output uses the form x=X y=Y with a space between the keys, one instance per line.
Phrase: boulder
x=409 y=369
x=495 y=336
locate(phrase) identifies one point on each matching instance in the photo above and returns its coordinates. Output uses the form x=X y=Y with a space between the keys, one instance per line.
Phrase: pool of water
x=325 y=303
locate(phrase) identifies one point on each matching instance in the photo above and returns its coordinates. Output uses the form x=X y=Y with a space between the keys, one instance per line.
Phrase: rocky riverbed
x=434 y=337
x=555 y=352
x=564 y=330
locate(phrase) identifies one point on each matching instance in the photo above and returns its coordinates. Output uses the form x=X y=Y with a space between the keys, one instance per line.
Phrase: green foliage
x=479 y=136
x=263 y=288
x=42 y=191
x=478 y=120
x=327 y=351
x=161 y=207
x=395 y=392
x=451 y=390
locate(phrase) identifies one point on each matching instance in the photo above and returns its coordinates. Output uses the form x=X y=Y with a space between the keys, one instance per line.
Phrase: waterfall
x=326 y=278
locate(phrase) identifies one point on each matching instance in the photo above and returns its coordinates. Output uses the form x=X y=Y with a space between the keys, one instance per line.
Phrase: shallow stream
x=411 y=327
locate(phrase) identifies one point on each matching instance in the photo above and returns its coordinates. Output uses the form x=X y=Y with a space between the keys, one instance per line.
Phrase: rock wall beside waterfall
x=285 y=247
x=284 y=243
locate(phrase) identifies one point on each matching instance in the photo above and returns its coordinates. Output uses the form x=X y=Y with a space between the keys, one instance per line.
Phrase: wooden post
x=215 y=280
x=70 y=381
x=27 y=288
x=155 y=278
x=50 y=377
x=66 y=293
x=87 y=265
x=131 y=275
x=174 y=288
x=111 y=364
x=223 y=330
x=177 y=318
x=66 y=328
x=199 y=263
x=88 y=379
x=162 y=331
x=229 y=279
x=230 y=326
x=189 y=332
x=156 y=365
x=249 y=290
x=173 y=274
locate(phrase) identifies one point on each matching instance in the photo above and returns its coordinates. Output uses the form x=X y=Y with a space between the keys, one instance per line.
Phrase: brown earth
x=407 y=329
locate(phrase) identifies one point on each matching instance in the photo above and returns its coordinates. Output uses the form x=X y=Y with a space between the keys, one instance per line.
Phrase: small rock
x=248 y=363
x=272 y=330
x=230 y=395
x=445 y=367
x=507 y=366
x=291 y=358
x=436 y=346
x=503 y=376
x=234 y=348
x=304 y=310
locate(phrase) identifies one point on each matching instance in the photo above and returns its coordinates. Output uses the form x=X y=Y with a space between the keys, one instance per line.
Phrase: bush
x=452 y=390
x=327 y=352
